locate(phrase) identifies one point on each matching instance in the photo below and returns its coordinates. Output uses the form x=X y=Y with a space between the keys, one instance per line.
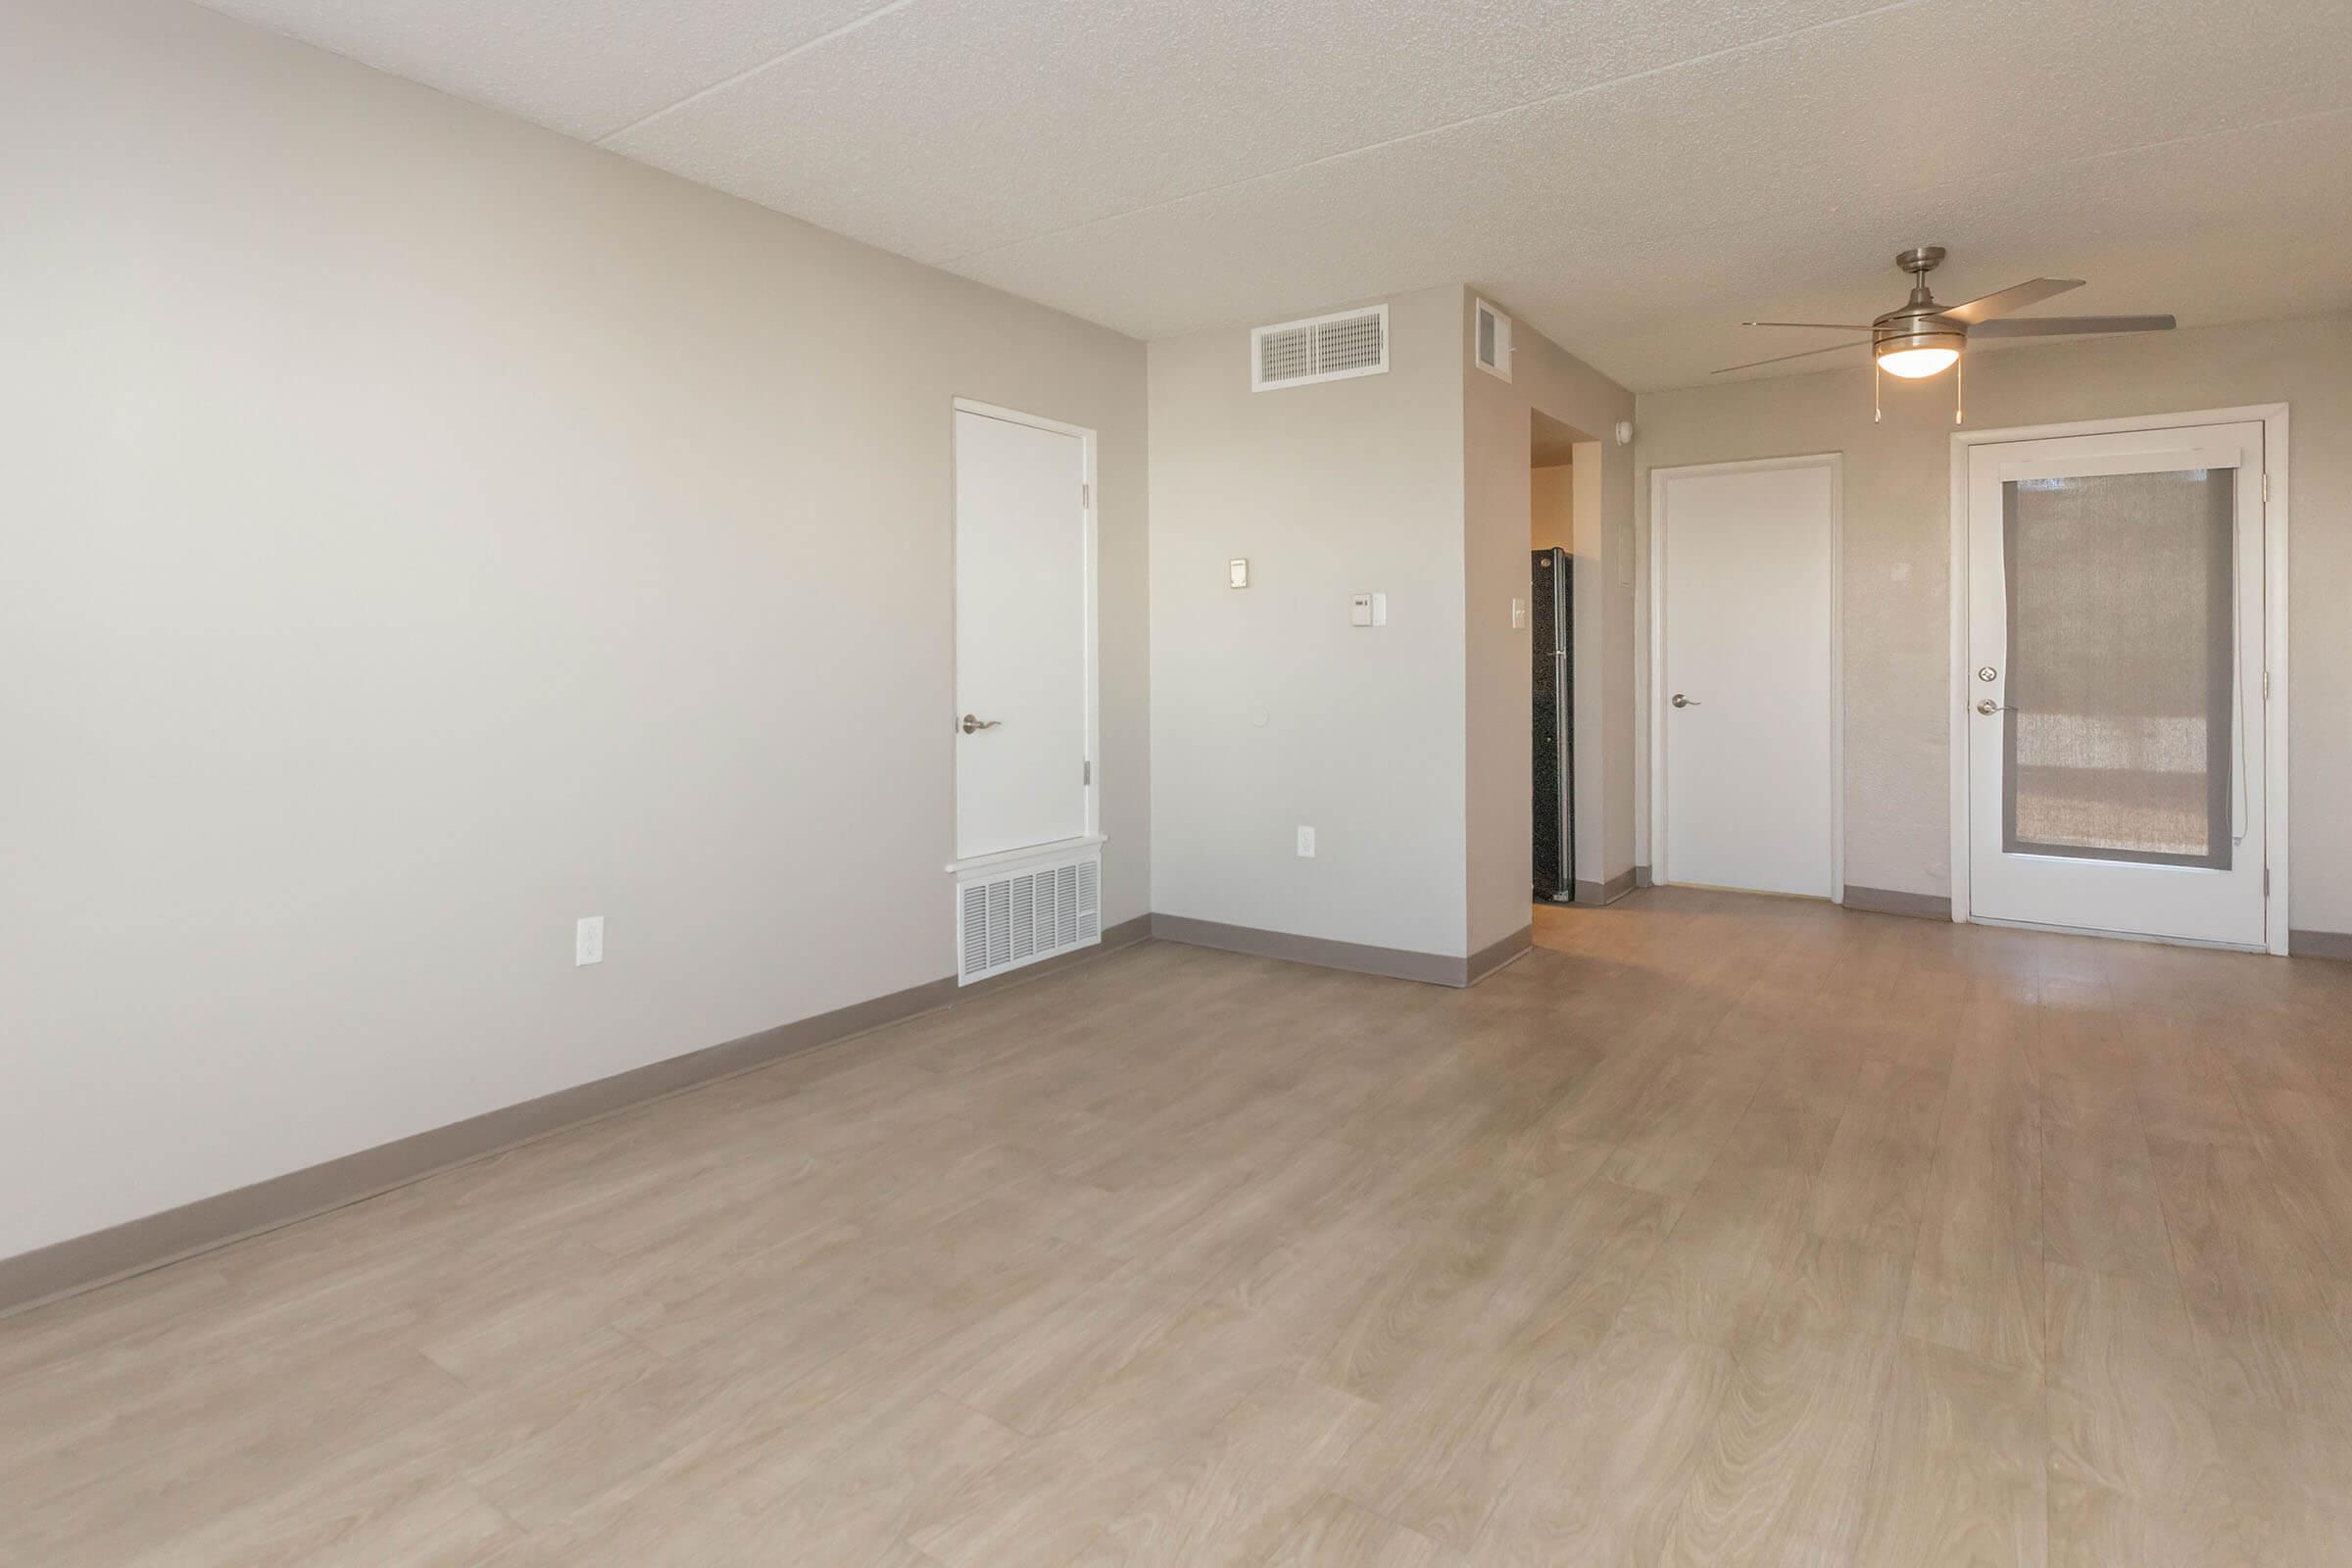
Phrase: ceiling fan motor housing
x=1908 y=328
x=1919 y=322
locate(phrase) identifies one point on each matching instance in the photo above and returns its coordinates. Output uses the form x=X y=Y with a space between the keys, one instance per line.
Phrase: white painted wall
x=1897 y=516
x=419 y=530
x=1269 y=710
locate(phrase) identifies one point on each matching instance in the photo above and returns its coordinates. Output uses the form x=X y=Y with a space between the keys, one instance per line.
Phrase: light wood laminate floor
x=1717 y=1230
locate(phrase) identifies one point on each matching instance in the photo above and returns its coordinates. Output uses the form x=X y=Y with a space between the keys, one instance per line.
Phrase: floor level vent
x=1321 y=348
x=1007 y=916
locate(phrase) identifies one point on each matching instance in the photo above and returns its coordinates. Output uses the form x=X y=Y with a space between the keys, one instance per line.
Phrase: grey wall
x=1897 y=519
x=422 y=530
x=1268 y=709
x=1497 y=694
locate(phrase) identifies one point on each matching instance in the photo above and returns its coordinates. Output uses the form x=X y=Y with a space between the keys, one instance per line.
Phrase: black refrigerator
x=1555 y=734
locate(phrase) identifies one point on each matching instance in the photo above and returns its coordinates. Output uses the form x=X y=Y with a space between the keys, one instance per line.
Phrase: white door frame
x=2272 y=417
x=1090 y=501
x=1661 y=867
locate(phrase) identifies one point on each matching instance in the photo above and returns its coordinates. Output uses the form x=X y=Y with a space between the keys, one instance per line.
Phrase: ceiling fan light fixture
x=1915 y=362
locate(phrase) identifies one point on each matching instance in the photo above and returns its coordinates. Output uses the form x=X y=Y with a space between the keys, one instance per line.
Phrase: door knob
x=971 y=724
x=1988 y=707
x=1680 y=701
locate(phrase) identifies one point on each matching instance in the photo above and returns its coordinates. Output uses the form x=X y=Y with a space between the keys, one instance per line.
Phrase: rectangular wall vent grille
x=1322 y=348
x=1491 y=346
x=1006 y=917
x=1286 y=354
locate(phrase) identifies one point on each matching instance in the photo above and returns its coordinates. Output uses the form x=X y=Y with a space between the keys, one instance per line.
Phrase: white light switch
x=1380 y=610
x=1518 y=615
x=1359 y=609
x=1236 y=573
x=1306 y=844
x=588 y=941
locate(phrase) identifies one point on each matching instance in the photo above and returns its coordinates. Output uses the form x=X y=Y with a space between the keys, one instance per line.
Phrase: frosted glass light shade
x=1914 y=364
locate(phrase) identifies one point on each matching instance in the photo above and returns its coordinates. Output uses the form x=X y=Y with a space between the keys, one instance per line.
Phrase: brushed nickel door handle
x=1987 y=706
x=970 y=724
x=1680 y=701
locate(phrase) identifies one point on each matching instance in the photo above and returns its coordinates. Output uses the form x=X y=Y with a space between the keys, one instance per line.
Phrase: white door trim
x=1835 y=462
x=2274 y=420
x=1091 y=502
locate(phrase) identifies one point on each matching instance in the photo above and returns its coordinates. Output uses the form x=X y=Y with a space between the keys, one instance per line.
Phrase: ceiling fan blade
x=1834 y=327
x=1778 y=357
x=2069 y=325
x=2016 y=297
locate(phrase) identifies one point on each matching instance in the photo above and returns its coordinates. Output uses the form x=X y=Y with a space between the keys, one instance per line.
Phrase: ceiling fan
x=1920 y=338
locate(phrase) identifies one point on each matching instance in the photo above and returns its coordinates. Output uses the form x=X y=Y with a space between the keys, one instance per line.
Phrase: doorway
x=2112 y=756
x=1551 y=619
x=1745 y=731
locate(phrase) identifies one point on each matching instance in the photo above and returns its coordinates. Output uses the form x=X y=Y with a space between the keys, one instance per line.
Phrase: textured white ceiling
x=1630 y=176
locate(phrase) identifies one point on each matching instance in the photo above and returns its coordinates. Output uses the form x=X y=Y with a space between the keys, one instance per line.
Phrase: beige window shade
x=2120 y=727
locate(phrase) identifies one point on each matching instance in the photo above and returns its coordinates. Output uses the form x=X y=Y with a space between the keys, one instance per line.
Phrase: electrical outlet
x=588 y=941
x=1306 y=844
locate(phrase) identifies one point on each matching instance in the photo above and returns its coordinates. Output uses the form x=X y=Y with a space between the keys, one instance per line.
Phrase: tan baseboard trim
x=2319 y=943
x=1486 y=960
x=1609 y=891
x=1397 y=963
x=1889 y=901
x=1641 y=876
x=83 y=1262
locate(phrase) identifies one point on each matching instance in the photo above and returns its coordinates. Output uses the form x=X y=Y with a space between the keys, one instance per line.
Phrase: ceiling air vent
x=1321 y=348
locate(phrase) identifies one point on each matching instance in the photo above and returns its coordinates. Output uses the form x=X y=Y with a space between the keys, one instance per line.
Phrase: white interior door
x=2115 y=657
x=1746 y=679
x=1024 y=635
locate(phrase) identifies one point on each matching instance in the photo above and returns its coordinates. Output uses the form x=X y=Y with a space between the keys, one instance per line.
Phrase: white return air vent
x=1490 y=347
x=1007 y=916
x=1321 y=348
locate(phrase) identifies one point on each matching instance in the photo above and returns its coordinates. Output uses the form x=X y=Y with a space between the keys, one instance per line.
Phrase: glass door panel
x=2119 y=726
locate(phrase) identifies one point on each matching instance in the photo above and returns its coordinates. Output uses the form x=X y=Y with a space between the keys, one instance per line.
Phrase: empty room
x=1299 y=784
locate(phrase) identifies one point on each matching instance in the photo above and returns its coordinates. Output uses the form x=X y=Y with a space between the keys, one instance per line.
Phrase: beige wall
x=1550 y=503
x=1897 y=519
x=422 y=530
x=1497 y=498
x=1404 y=746
x=1269 y=709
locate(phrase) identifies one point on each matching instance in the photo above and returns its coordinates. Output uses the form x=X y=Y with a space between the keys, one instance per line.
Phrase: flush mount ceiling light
x=1920 y=338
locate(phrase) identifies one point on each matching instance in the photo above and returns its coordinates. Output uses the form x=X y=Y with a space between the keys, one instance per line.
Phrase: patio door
x=2115 y=686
